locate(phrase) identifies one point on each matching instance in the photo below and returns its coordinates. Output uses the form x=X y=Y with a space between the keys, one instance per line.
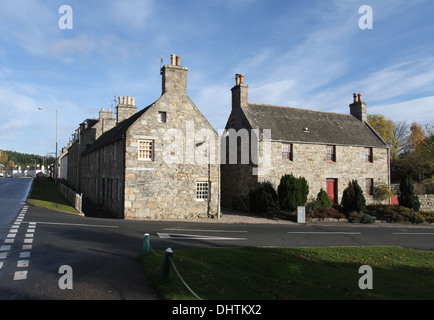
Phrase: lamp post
x=57 y=118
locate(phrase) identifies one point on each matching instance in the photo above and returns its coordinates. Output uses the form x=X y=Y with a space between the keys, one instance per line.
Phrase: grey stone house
x=263 y=142
x=158 y=162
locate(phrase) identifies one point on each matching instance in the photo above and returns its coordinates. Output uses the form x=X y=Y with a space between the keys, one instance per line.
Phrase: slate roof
x=116 y=133
x=288 y=124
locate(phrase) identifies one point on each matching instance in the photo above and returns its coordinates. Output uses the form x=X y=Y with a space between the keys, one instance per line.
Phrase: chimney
x=239 y=93
x=126 y=108
x=358 y=108
x=106 y=119
x=174 y=77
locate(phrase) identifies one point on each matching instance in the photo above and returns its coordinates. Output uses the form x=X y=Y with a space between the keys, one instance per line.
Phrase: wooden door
x=332 y=189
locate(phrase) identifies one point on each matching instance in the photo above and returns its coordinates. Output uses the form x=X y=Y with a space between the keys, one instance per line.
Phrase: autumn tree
x=384 y=128
x=416 y=137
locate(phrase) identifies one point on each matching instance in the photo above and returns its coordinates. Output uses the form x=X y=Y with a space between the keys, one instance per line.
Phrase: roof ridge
x=301 y=109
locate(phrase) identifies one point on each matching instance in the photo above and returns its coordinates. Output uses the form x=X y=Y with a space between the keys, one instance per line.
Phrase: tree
x=353 y=198
x=407 y=198
x=384 y=127
x=417 y=136
x=263 y=199
x=324 y=199
x=3 y=158
x=292 y=192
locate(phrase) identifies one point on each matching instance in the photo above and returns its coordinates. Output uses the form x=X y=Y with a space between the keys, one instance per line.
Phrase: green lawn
x=294 y=273
x=45 y=194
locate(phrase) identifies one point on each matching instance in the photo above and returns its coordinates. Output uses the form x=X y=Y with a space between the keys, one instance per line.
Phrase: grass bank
x=45 y=194
x=320 y=273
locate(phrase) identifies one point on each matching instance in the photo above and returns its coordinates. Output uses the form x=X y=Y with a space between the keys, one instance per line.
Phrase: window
x=286 y=151
x=369 y=187
x=202 y=191
x=162 y=117
x=368 y=155
x=146 y=150
x=331 y=153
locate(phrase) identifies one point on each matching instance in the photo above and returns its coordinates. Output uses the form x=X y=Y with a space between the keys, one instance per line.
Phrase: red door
x=332 y=189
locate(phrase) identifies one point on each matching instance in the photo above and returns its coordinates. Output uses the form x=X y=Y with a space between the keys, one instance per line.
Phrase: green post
x=145 y=249
x=166 y=264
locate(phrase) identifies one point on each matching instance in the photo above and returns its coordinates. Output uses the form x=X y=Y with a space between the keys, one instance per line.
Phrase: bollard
x=166 y=263
x=145 y=248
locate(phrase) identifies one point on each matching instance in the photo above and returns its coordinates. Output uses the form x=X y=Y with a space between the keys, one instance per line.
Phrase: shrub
x=324 y=199
x=382 y=192
x=353 y=216
x=353 y=198
x=292 y=192
x=407 y=198
x=366 y=218
x=263 y=199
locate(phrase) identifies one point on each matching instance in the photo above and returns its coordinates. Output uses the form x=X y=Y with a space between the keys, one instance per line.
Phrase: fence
x=167 y=262
x=73 y=198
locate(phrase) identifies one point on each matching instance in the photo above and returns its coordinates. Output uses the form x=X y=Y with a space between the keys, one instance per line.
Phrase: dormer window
x=162 y=117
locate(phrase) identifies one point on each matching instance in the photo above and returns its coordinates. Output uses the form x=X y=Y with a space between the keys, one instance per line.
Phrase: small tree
x=382 y=192
x=407 y=198
x=292 y=192
x=353 y=198
x=324 y=199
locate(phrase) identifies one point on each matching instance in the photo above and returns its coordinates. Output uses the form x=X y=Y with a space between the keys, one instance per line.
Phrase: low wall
x=75 y=199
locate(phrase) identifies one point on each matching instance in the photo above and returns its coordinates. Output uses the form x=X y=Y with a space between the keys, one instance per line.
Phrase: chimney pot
x=241 y=78
x=120 y=100
x=178 y=61
x=128 y=100
x=133 y=101
x=172 y=59
x=355 y=97
x=359 y=95
x=124 y=101
x=237 y=79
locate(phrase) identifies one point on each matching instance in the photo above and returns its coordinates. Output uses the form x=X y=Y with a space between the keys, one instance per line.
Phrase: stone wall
x=426 y=202
x=103 y=178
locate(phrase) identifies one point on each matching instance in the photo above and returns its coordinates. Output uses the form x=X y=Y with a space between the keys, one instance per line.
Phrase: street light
x=57 y=117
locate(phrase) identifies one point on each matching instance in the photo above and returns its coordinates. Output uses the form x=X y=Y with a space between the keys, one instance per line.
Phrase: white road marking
x=22 y=263
x=177 y=236
x=324 y=232
x=424 y=233
x=77 y=224
x=20 y=275
x=204 y=230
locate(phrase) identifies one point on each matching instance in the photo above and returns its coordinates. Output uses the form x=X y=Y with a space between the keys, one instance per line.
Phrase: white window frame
x=202 y=191
x=145 y=150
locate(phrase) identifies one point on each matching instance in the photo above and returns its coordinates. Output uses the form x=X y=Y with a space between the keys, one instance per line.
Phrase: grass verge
x=45 y=195
x=320 y=273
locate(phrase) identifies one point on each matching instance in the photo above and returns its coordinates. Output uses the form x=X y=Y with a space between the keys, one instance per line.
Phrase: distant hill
x=25 y=159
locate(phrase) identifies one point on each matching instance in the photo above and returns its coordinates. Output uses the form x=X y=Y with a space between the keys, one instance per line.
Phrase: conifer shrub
x=407 y=198
x=353 y=198
x=292 y=192
x=263 y=199
x=324 y=200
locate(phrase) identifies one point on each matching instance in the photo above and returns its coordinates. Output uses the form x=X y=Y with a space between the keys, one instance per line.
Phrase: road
x=102 y=252
x=13 y=195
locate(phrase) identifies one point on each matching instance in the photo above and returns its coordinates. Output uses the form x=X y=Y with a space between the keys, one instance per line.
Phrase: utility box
x=301 y=214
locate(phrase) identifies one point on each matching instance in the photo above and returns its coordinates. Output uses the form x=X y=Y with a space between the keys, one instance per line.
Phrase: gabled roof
x=116 y=133
x=290 y=124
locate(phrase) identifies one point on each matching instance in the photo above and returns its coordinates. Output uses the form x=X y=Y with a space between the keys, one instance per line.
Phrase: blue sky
x=306 y=54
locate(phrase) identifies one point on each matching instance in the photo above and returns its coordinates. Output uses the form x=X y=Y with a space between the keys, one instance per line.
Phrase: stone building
x=158 y=162
x=263 y=142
